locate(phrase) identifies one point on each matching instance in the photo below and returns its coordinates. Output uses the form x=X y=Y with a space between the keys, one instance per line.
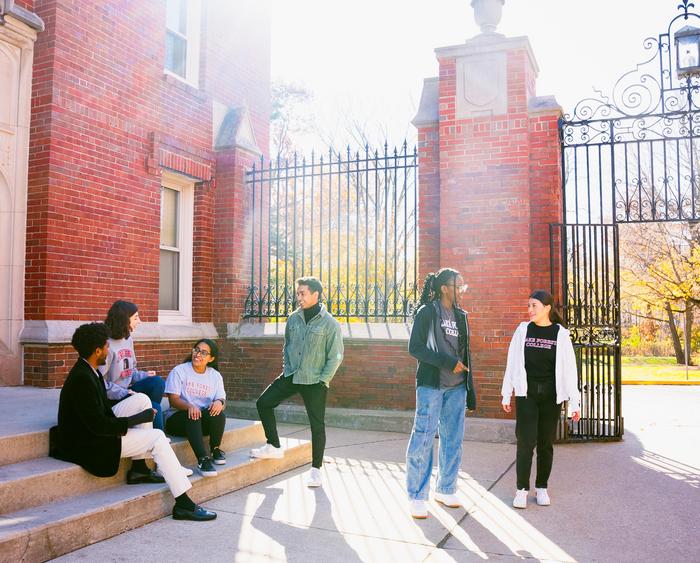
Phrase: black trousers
x=179 y=424
x=535 y=426
x=314 y=397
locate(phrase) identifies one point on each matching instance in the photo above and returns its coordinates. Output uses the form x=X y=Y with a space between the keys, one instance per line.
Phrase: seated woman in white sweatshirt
x=541 y=370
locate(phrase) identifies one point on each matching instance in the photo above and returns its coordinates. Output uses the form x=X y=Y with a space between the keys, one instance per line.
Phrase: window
x=182 y=27
x=175 y=286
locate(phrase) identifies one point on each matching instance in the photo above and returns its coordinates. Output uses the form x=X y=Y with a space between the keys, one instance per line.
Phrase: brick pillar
x=497 y=189
x=428 y=181
x=237 y=217
x=232 y=242
x=546 y=195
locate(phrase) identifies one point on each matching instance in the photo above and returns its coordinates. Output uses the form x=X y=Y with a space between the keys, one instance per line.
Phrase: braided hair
x=431 y=292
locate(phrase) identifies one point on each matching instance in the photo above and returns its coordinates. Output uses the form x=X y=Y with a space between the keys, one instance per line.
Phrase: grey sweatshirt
x=120 y=370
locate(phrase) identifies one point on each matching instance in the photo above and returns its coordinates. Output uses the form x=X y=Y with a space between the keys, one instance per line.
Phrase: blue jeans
x=440 y=410
x=152 y=386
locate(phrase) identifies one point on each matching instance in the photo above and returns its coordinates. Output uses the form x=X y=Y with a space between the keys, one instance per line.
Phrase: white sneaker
x=520 y=499
x=419 y=509
x=268 y=451
x=313 y=478
x=450 y=501
x=542 y=497
x=186 y=471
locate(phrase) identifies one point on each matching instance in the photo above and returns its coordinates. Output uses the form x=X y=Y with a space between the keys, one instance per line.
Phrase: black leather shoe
x=199 y=514
x=137 y=478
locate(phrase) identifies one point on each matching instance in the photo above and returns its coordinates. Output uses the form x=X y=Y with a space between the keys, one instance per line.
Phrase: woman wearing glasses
x=196 y=393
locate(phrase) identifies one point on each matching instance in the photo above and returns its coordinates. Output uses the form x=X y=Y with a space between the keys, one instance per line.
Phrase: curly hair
x=89 y=337
x=118 y=318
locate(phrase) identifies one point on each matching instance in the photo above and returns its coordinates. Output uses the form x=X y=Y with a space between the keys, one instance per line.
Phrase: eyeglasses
x=460 y=288
x=200 y=352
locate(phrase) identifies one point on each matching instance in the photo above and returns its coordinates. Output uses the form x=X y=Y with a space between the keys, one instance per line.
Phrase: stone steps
x=43 y=479
x=49 y=507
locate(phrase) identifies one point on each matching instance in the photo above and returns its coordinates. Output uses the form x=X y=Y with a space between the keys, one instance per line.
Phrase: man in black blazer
x=91 y=435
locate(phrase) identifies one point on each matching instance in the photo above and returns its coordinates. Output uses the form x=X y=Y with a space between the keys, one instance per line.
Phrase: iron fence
x=348 y=219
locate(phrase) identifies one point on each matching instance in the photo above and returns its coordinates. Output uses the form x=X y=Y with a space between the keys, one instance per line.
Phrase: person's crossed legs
x=144 y=441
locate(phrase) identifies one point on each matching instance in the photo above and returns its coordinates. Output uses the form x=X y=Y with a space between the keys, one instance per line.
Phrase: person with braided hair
x=440 y=342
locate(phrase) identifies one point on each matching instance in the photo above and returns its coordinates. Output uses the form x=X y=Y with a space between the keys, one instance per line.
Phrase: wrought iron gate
x=589 y=270
x=630 y=157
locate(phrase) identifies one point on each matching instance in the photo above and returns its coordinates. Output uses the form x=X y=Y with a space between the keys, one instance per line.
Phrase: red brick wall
x=545 y=195
x=48 y=366
x=387 y=382
x=233 y=221
x=248 y=366
x=428 y=201
x=105 y=119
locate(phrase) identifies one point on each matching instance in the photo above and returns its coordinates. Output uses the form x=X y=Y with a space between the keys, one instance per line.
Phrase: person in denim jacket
x=440 y=342
x=313 y=351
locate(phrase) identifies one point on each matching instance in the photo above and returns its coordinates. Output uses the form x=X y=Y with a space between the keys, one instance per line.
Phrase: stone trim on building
x=9 y=8
x=61 y=332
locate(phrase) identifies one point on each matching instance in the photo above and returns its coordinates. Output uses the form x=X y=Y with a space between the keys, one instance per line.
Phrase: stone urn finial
x=487 y=14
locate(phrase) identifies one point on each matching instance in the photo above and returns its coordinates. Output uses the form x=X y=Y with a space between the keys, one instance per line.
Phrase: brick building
x=144 y=118
x=141 y=115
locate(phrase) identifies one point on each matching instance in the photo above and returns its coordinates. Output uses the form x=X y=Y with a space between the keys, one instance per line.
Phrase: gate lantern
x=687 y=50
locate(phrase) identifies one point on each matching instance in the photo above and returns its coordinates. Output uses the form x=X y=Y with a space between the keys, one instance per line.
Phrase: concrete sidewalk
x=635 y=500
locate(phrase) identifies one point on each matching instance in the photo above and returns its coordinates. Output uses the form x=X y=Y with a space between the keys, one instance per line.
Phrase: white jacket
x=565 y=371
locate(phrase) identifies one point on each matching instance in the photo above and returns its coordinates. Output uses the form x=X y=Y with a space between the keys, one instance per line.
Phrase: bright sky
x=367 y=58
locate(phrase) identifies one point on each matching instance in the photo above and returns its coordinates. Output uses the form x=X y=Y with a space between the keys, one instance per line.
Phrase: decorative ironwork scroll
x=633 y=155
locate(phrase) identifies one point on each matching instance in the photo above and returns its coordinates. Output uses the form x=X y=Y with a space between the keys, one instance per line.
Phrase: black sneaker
x=206 y=468
x=218 y=457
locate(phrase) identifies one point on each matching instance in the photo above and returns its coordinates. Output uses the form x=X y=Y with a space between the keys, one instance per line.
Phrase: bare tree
x=291 y=116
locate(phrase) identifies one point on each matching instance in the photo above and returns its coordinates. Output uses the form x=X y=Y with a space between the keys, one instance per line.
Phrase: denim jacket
x=314 y=351
x=422 y=347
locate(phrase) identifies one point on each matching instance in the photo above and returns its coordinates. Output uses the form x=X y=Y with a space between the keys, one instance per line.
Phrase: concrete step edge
x=48 y=531
x=42 y=480
x=16 y=448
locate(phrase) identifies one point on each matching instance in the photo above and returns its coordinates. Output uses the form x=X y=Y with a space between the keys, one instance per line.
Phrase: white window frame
x=193 y=42
x=185 y=235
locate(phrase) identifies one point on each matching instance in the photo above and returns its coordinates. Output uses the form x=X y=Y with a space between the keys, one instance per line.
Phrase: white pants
x=144 y=441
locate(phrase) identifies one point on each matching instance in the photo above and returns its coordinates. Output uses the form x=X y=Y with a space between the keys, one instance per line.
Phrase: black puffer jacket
x=430 y=360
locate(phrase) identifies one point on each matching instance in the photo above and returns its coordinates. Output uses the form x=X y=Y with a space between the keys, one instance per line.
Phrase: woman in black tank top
x=537 y=410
